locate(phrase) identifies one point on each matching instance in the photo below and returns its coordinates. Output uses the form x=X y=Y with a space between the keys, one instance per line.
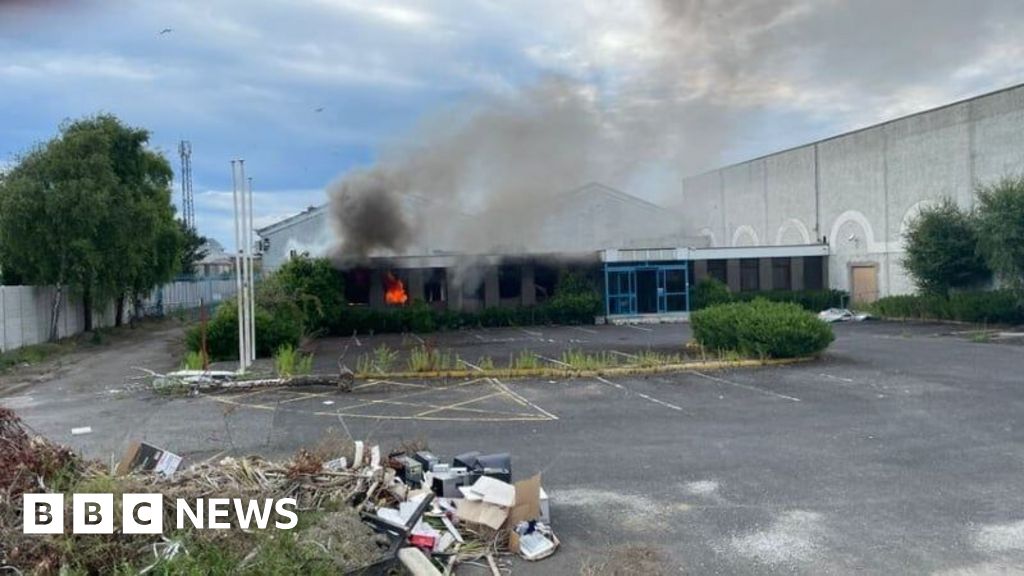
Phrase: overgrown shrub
x=576 y=300
x=276 y=323
x=710 y=292
x=811 y=300
x=762 y=329
x=317 y=287
x=1000 y=228
x=942 y=250
x=996 y=307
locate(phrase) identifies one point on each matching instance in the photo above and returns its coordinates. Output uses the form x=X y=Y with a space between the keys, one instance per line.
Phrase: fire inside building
x=596 y=231
x=829 y=214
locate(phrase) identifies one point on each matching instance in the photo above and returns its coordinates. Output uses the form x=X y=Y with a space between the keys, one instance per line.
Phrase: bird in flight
x=166 y=31
x=320 y=109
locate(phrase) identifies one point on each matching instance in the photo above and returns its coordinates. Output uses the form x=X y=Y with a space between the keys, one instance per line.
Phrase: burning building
x=635 y=250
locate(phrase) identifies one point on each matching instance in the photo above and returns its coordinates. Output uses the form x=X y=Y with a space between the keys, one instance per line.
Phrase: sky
x=306 y=92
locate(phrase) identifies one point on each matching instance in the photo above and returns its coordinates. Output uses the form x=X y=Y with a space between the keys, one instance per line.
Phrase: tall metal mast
x=188 y=212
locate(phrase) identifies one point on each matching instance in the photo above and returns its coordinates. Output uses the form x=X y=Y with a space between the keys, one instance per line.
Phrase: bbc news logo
x=144 y=513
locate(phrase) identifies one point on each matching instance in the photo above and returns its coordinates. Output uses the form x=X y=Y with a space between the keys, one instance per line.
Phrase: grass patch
x=525 y=360
x=429 y=359
x=34 y=354
x=580 y=360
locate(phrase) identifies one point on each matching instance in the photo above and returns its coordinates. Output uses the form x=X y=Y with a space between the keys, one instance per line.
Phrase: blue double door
x=646 y=289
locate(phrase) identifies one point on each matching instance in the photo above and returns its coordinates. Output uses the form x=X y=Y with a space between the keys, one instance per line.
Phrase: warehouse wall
x=859 y=190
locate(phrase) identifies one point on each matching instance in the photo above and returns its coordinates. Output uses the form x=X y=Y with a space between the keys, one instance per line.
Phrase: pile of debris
x=373 y=511
x=463 y=510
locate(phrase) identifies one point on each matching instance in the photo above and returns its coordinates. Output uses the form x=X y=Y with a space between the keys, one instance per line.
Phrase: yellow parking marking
x=415 y=399
x=457 y=404
x=305 y=396
x=378 y=382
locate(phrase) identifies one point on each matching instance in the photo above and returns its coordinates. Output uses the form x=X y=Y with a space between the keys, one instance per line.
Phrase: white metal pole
x=245 y=264
x=246 y=288
x=238 y=272
x=252 y=283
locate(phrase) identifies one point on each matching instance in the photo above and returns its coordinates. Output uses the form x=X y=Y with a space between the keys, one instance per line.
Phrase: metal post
x=238 y=273
x=247 y=300
x=252 y=285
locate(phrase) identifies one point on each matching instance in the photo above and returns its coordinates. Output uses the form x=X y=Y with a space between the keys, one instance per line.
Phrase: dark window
x=510 y=281
x=814 y=277
x=357 y=286
x=718 y=270
x=544 y=280
x=750 y=274
x=780 y=274
x=675 y=281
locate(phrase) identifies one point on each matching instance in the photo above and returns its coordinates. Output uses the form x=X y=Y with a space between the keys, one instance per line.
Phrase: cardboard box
x=148 y=458
x=489 y=515
x=527 y=507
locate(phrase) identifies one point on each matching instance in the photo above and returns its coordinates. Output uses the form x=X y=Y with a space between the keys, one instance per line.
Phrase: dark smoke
x=491 y=171
x=367 y=211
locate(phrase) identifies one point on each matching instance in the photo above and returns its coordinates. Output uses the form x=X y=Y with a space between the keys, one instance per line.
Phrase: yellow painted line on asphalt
x=440 y=407
x=457 y=404
x=379 y=382
x=514 y=418
x=516 y=395
x=306 y=396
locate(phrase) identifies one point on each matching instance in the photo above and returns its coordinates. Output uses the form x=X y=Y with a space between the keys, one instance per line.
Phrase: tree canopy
x=90 y=211
x=942 y=250
x=1001 y=228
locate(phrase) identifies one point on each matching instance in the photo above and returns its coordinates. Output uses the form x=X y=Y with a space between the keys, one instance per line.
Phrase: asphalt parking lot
x=898 y=452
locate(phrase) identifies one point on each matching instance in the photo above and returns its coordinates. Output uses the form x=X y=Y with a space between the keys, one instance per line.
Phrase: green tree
x=317 y=286
x=1001 y=228
x=193 y=249
x=942 y=250
x=90 y=212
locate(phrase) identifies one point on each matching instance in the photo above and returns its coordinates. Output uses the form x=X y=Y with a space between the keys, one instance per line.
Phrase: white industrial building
x=826 y=214
x=858 y=191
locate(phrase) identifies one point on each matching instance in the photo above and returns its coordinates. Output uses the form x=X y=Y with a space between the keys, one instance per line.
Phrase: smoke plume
x=482 y=177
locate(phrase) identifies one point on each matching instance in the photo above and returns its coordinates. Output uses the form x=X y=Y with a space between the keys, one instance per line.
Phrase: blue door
x=621 y=288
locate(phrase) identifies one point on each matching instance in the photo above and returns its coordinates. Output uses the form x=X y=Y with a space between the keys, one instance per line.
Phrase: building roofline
x=292 y=220
x=861 y=129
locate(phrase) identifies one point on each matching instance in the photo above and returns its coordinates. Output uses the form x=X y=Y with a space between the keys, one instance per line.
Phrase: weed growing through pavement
x=525 y=360
x=290 y=362
x=428 y=359
x=193 y=361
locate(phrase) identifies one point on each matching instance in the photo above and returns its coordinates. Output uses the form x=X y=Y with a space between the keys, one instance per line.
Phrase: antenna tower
x=188 y=212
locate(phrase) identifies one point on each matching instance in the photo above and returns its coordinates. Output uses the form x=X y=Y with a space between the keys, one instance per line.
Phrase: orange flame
x=394 y=290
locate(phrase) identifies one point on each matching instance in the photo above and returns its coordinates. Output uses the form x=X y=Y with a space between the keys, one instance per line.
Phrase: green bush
x=996 y=307
x=762 y=329
x=811 y=300
x=942 y=249
x=276 y=323
x=710 y=292
x=318 y=288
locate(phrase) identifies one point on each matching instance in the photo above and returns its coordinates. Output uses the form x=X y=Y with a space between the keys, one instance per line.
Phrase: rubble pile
x=371 y=512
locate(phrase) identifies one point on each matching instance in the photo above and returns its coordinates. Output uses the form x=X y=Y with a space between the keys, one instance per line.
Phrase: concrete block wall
x=25 y=310
x=860 y=190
